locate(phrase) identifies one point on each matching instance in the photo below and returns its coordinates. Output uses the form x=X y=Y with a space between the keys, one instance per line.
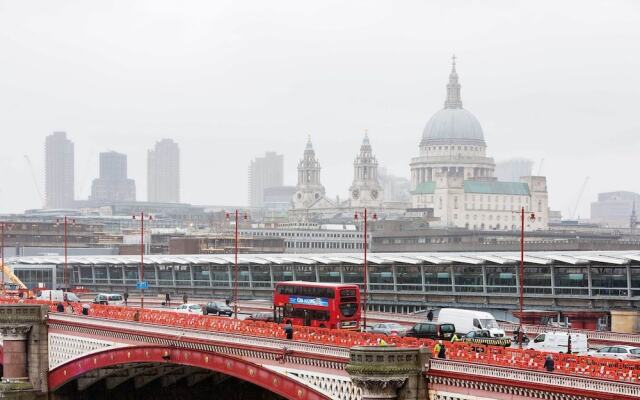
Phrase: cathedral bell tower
x=309 y=189
x=365 y=190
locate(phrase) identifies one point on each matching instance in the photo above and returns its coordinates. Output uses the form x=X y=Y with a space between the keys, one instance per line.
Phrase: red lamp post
x=366 y=264
x=234 y=296
x=142 y=254
x=532 y=217
x=3 y=226
x=65 y=220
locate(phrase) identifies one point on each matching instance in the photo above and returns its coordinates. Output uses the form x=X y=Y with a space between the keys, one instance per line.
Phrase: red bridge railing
x=594 y=367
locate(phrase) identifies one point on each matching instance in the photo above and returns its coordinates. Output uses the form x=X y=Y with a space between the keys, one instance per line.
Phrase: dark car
x=484 y=337
x=261 y=316
x=432 y=330
x=218 y=308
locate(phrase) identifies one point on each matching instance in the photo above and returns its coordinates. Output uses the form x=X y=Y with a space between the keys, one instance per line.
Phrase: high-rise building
x=163 y=172
x=59 y=171
x=264 y=172
x=513 y=169
x=113 y=184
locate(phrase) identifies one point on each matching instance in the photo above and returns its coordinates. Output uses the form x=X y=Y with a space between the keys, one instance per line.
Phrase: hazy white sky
x=228 y=80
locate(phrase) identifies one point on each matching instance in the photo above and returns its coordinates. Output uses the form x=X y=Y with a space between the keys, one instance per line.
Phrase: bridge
x=69 y=353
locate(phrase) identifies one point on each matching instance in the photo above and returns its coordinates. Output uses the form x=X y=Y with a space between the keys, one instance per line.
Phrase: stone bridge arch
x=221 y=363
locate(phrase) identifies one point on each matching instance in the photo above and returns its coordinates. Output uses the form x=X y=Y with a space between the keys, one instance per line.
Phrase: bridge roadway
x=596 y=338
x=316 y=359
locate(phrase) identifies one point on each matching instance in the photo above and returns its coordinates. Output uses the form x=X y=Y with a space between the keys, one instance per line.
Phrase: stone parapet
x=387 y=372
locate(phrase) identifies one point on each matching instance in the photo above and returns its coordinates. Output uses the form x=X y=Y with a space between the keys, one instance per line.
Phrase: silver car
x=388 y=328
x=619 y=352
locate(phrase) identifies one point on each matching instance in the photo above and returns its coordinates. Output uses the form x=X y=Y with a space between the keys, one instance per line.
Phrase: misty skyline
x=228 y=81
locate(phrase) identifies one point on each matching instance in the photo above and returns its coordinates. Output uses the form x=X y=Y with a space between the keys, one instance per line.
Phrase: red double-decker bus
x=324 y=305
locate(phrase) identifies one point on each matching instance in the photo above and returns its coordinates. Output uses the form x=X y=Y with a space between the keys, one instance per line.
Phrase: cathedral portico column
x=14 y=344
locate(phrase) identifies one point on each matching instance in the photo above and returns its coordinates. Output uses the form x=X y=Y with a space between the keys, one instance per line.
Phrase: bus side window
x=476 y=324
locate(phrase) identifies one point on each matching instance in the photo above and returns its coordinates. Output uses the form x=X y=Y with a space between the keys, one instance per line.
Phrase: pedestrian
x=60 y=307
x=136 y=316
x=126 y=298
x=430 y=316
x=227 y=302
x=167 y=300
x=549 y=364
x=288 y=329
x=85 y=309
x=69 y=308
x=442 y=351
x=185 y=298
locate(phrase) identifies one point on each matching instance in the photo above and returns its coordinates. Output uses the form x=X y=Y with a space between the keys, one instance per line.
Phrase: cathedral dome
x=453 y=124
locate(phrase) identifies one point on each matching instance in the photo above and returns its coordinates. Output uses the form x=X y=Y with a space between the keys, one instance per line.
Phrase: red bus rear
x=324 y=305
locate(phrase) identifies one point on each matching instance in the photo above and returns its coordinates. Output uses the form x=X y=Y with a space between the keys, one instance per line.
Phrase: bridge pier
x=387 y=372
x=24 y=337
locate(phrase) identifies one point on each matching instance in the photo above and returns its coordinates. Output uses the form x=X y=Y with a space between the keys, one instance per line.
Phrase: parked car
x=190 y=308
x=388 y=328
x=619 y=352
x=432 y=330
x=261 y=316
x=110 y=299
x=214 y=307
x=558 y=342
x=467 y=321
x=484 y=337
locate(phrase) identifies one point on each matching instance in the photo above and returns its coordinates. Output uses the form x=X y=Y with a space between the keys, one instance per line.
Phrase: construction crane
x=580 y=193
x=35 y=181
x=12 y=284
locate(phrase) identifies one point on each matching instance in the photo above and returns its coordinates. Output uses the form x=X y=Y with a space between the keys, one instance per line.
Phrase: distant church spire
x=453 y=88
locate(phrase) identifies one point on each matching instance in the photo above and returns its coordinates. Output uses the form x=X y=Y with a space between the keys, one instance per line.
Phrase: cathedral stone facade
x=453 y=176
x=310 y=202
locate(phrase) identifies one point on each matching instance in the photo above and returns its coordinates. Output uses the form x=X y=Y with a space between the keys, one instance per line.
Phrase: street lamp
x=366 y=265
x=141 y=284
x=531 y=217
x=65 y=221
x=3 y=225
x=234 y=295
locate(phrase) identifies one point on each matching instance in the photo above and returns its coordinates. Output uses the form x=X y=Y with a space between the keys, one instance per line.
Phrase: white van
x=467 y=321
x=109 y=299
x=557 y=342
x=58 y=295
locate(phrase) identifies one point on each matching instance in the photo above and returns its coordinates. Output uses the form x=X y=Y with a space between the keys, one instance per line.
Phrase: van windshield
x=489 y=324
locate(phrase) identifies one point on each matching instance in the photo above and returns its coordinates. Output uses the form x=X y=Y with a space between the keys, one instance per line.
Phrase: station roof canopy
x=612 y=258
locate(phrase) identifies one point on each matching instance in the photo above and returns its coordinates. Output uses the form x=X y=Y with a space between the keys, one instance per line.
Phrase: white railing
x=518 y=375
x=181 y=334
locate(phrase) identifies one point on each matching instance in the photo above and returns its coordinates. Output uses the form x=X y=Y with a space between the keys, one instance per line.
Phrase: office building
x=59 y=171
x=264 y=172
x=615 y=209
x=113 y=184
x=163 y=172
